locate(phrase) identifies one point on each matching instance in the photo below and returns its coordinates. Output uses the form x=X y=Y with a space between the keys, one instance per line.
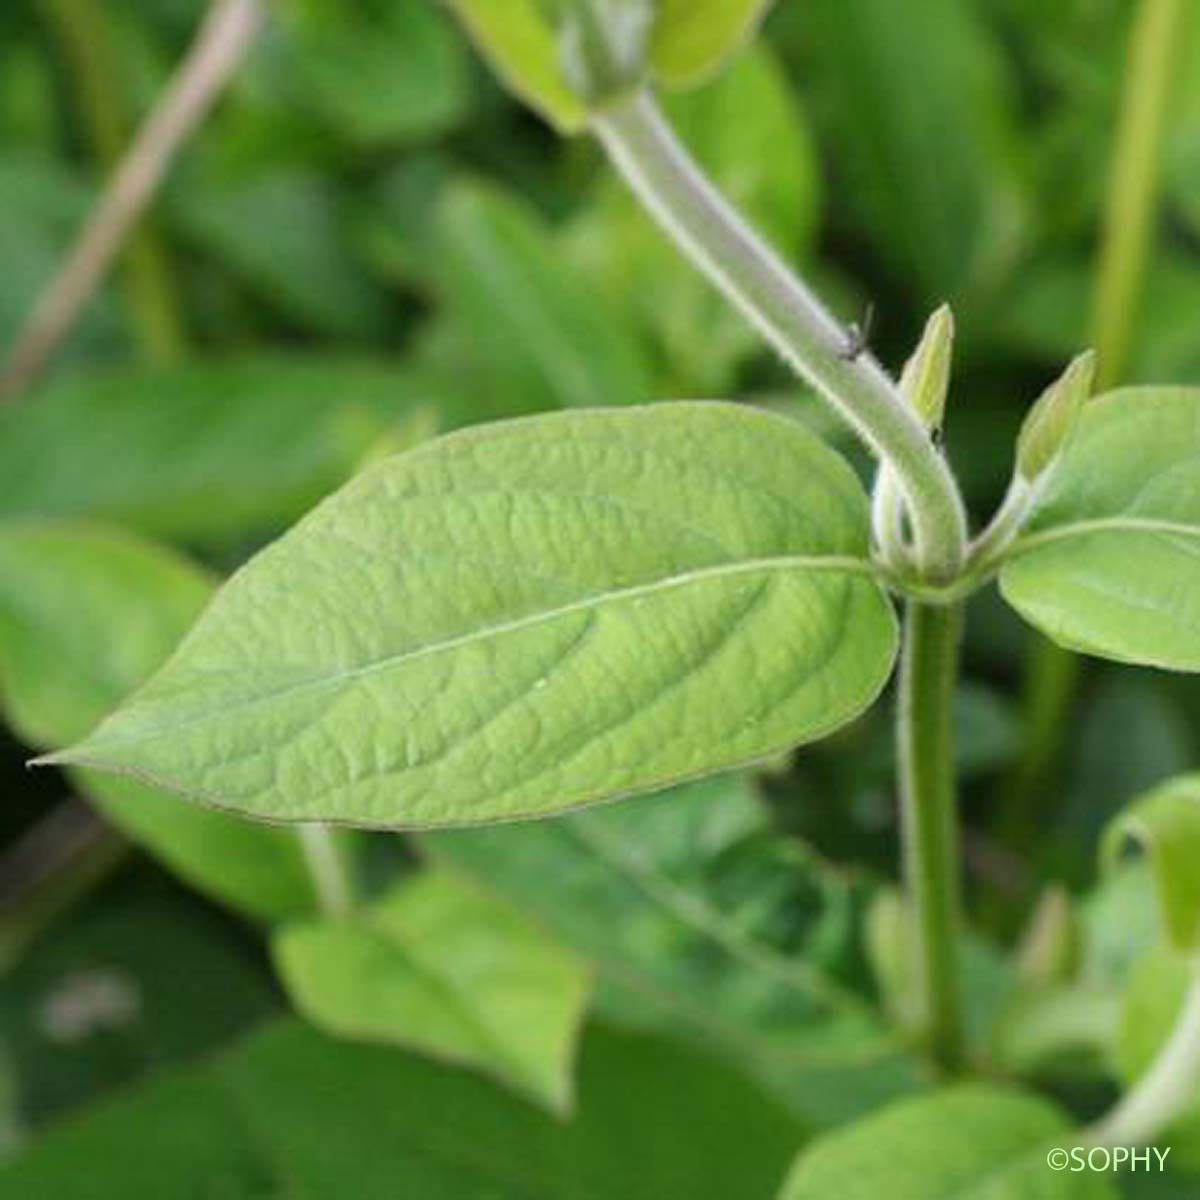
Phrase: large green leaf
x=693 y=37
x=85 y=615
x=972 y=1142
x=213 y=450
x=443 y=967
x=294 y=1114
x=523 y=618
x=1110 y=562
x=523 y=312
x=1166 y=824
x=703 y=923
x=378 y=71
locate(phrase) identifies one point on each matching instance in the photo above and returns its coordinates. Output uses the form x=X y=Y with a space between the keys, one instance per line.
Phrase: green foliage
x=532 y=44
x=692 y=38
x=524 y=315
x=291 y=1112
x=442 y=967
x=137 y=981
x=523 y=49
x=1108 y=565
x=1166 y=825
x=1154 y=997
x=367 y=242
x=702 y=923
x=282 y=230
x=1052 y=421
x=714 y=553
x=380 y=73
x=179 y=452
x=917 y=103
x=971 y=1142
x=67 y=655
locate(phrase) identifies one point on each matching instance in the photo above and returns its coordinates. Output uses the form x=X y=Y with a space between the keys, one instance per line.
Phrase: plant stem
x=1135 y=178
x=327 y=865
x=674 y=189
x=1169 y=1086
x=928 y=675
x=81 y=31
x=227 y=32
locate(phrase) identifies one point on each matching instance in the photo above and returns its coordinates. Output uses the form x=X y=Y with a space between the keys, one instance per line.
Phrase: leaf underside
x=441 y=966
x=1110 y=564
x=524 y=618
x=971 y=1142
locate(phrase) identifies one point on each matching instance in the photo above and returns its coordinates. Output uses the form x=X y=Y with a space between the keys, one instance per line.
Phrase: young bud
x=1052 y=420
x=926 y=377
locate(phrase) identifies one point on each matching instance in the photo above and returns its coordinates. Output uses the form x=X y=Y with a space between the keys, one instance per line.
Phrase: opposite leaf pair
x=524 y=618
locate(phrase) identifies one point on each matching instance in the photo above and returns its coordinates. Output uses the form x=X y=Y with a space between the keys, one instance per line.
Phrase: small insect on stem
x=857 y=337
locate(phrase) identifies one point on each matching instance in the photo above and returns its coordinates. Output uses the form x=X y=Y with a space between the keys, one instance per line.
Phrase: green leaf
x=442 y=967
x=1156 y=991
x=85 y=615
x=291 y=1113
x=523 y=50
x=206 y=452
x=523 y=618
x=377 y=71
x=281 y=231
x=971 y=1142
x=702 y=922
x=525 y=313
x=692 y=38
x=42 y=203
x=920 y=116
x=528 y=43
x=1166 y=825
x=1110 y=562
x=139 y=978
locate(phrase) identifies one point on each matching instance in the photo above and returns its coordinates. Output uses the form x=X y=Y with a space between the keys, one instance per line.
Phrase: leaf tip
x=925 y=381
x=1053 y=418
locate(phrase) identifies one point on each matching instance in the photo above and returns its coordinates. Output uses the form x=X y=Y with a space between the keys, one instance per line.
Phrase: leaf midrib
x=1073 y=529
x=820 y=564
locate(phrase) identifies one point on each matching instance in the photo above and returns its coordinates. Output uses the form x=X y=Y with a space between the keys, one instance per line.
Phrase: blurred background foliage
x=368 y=243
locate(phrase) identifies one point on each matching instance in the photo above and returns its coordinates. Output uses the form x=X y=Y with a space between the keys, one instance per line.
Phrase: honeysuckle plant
x=525 y=618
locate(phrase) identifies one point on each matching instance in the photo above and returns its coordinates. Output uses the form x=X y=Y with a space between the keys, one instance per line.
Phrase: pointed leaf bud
x=1052 y=420
x=926 y=377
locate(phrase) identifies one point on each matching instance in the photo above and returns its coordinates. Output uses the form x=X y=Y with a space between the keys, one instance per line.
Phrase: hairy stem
x=705 y=226
x=328 y=868
x=1135 y=178
x=1168 y=1088
x=228 y=31
x=80 y=29
x=928 y=675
